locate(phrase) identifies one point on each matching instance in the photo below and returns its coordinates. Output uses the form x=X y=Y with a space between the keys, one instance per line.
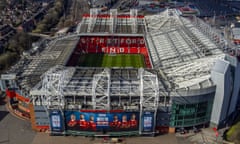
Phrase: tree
x=3 y=4
x=67 y=23
x=233 y=133
x=52 y=17
x=61 y=23
x=40 y=27
x=12 y=46
x=7 y=59
x=20 y=42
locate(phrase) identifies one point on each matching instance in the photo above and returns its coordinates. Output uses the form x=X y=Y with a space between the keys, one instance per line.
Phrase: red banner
x=10 y=94
x=22 y=98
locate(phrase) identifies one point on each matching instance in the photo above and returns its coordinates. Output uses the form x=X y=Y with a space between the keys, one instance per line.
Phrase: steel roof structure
x=183 y=49
x=182 y=53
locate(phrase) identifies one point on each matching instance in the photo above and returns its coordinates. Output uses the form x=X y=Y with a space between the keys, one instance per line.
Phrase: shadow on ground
x=2 y=100
x=3 y=114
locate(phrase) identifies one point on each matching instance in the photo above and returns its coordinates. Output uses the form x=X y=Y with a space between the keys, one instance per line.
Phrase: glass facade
x=186 y=115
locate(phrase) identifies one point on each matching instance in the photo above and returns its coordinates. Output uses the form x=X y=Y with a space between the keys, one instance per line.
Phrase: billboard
x=8 y=76
x=56 y=121
x=147 y=122
x=91 y=121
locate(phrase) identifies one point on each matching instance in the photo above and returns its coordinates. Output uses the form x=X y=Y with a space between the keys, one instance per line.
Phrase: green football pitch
x=111 y=60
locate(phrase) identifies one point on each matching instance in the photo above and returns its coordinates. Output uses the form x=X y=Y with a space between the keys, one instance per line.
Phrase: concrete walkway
x=41 y=138
x=14 y=130
x=17 y=131
x=206 y=136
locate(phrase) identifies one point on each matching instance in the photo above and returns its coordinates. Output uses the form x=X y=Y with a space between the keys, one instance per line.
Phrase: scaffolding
x=101 y=90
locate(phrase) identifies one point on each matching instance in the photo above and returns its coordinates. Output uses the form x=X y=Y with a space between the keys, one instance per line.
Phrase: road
x=14 y=130
x=42 y=138
x=39 y=35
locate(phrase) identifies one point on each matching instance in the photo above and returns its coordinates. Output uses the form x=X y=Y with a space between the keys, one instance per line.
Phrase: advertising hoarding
x=91 y=121
x=147 y=121
x=56 y=121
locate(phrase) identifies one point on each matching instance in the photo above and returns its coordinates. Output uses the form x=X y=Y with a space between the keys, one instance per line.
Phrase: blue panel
x=56 y=121
x=147 y=121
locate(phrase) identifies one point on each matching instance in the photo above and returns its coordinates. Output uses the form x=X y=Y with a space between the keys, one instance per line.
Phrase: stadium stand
x=182 y=86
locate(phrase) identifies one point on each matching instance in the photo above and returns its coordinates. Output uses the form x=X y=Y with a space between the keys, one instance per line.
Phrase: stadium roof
x=113 y=22
x=123 y=82
x=182 y=52
x=30 y=68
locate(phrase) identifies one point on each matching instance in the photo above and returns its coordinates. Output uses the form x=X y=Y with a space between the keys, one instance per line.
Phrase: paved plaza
x=41 y=138
x=16 y=131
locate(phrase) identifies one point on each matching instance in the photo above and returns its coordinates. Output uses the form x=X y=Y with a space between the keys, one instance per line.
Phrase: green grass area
x=233 y=134
x=111 y=60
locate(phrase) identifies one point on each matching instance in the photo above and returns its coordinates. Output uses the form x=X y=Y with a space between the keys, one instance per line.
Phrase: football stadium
x=127 y=74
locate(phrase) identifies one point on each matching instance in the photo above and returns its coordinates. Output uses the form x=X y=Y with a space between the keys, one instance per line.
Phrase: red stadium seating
x=108 y=16
x=111 y=45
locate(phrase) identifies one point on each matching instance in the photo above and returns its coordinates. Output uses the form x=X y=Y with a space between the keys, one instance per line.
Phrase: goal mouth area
x=112 y=54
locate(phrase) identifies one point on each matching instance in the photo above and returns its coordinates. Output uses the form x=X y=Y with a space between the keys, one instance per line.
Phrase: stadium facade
x=189 y=81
